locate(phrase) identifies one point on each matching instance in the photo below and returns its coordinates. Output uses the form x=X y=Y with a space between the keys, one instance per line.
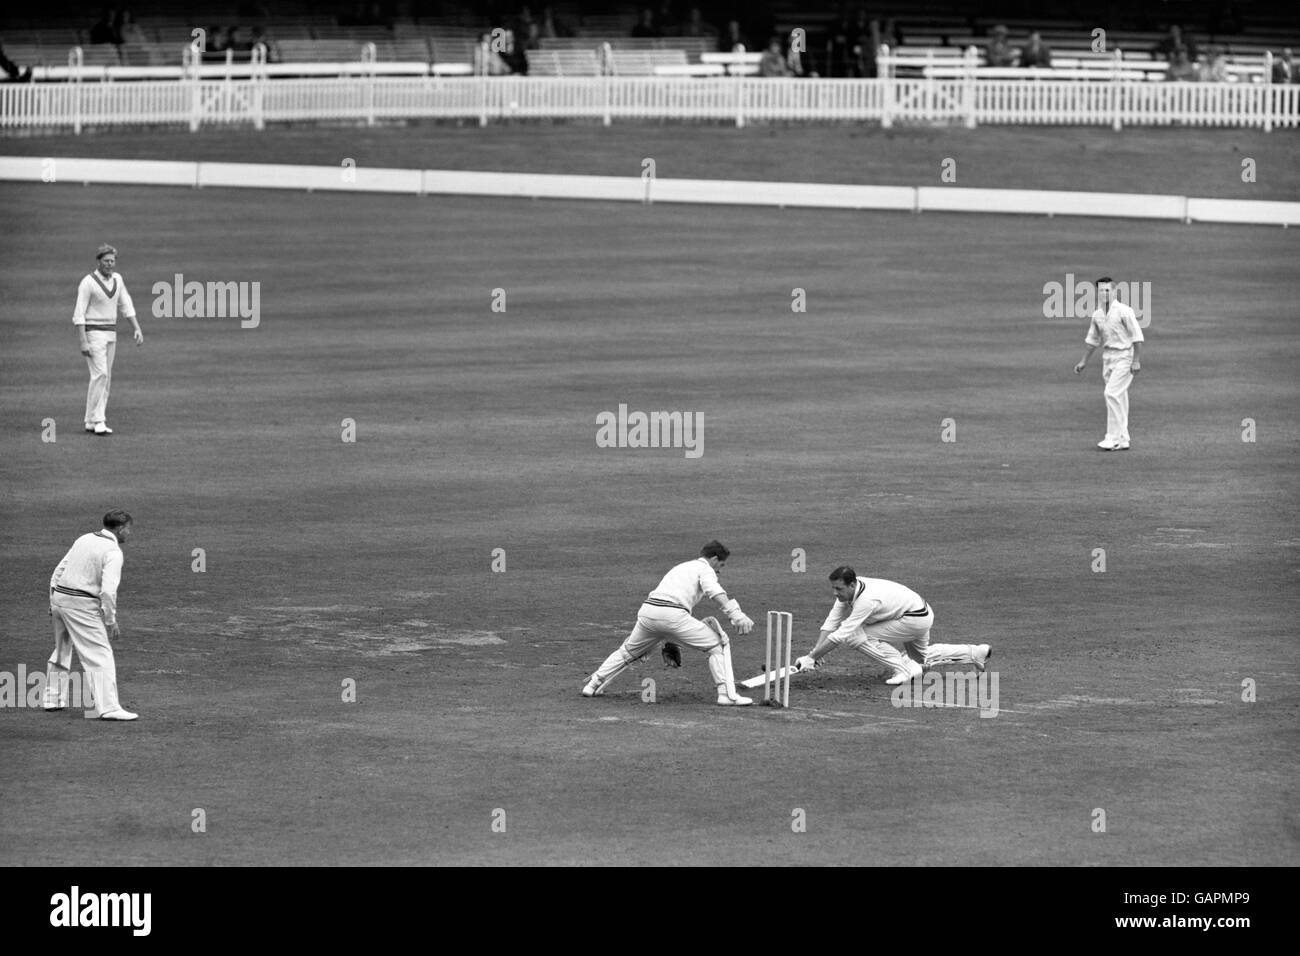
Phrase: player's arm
x=58 y=572
x=108 y=582
x=79 y=315
x=730 y=606
x=822 y=647
x=126 y=310
x=1090 y=343
x=1138 y=339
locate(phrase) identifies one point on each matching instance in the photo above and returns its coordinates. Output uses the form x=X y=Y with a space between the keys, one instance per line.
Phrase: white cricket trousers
x=655 y=624
x=100 y=364
x=79 y=624
x=912 y=635
x=1117 y=373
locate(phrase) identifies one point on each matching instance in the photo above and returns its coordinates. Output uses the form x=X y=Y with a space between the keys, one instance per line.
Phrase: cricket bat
x=764 y=677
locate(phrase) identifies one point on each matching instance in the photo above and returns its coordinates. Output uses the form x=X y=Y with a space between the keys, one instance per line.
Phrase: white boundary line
x=636 y=189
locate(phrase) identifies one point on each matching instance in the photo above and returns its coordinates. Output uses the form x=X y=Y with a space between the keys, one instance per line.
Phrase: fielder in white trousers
x=83 y=607
x=1115 y=328
x=889 y=623
x=79 y=625
x=101 y=300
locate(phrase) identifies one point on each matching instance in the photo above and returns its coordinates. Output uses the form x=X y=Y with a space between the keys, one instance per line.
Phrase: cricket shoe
x=902 y=677
x=120 y=714
x=102 y=429
x=982 y=654
x=1121 y=446
x=1108 y=444
x=593 y=690
x=736 y=701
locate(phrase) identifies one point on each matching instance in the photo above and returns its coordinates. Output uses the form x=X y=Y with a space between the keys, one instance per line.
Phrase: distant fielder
x=666 y=615
x=83 y=604
x=873 y=615
x=101 y=300
x=1115 y=328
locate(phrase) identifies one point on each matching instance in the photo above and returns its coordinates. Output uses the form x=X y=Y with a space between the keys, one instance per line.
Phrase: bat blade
x=758 y=681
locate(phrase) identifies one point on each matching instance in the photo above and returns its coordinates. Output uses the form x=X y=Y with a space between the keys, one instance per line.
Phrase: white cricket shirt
x=92 y=566
x=874 y=600
x=687 y=584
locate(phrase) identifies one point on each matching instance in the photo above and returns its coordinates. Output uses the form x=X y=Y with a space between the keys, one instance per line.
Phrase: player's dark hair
x=844 y=573
x=715 y=549
x=116 y=519
x=1105 y=279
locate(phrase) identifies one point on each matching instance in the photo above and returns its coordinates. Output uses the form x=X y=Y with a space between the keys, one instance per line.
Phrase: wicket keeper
x=666 y=615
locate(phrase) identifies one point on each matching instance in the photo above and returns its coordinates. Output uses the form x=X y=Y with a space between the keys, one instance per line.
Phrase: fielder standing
x=666 y=615
x=83 y=603
x=1115 y=328
x=873 y=615
x=101 y=300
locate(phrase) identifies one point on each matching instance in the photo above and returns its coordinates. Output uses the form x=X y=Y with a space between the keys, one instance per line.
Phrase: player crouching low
x=889 y=623
x=666 y=615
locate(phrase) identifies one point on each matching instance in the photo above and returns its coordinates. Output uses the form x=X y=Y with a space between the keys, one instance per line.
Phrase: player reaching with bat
x=666 y=615
x=873 y=615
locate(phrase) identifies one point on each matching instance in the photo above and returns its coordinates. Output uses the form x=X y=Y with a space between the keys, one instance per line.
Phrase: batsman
x=890 y=623
x=666 y=615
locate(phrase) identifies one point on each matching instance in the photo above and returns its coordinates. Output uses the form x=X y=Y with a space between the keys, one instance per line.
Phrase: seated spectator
x=216 y=39
x=104 y=31
x=863 y=49
x=999 y=51
x=892 y=34
x=1182 y=68
x=488 y=61
x=12 y=70
x=128 y=29
x=1215 y=67
x=645 y=27
x=1171 y=44
x=235 y=41
x=1283 y=69
x=665 y=22
x=773 y=63
x=261 y=37
x=1036 y=53
x=732 y=40
x=552 y=27
x=697 y=26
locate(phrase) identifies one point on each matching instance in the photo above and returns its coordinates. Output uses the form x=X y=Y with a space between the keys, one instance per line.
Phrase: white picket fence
x=256 y=100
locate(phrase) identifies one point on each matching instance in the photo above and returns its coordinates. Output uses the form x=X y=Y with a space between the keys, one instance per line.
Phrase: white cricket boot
x=911 y=671
x=981 y=653
x=104 y=689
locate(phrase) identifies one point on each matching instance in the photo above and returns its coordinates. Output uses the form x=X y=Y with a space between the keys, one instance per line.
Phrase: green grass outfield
x=476 y=430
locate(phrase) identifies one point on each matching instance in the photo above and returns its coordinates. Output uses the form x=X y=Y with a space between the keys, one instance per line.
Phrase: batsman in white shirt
x=1115 y=328
x=83 y=604
x=873 y=615
x=101 y=300
x=666 y=615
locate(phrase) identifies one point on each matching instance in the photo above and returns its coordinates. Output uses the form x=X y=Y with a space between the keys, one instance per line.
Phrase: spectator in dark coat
x=1035 y=53
x=999 y=51
x=104 y=31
